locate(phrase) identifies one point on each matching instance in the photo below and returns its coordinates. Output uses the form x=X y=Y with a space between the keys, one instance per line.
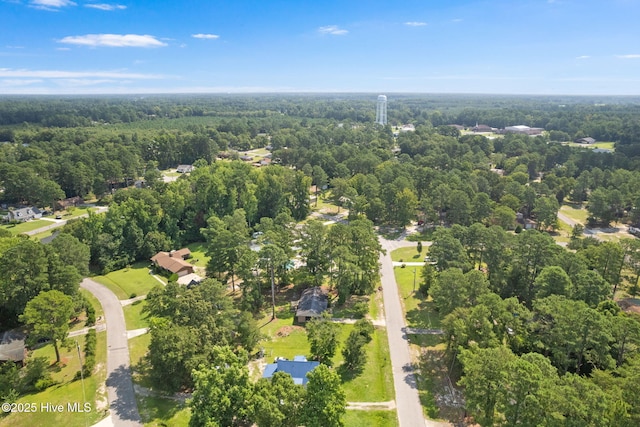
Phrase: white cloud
x=86 y=82
x=205 y=36
x=105 y=6
x=457 y=20
x=19 y=82
x=60 y=74
x=630 y=56
x=51 y=5
x=415 y=24
x=583 y=57
x=114 y=40
x=333 y=30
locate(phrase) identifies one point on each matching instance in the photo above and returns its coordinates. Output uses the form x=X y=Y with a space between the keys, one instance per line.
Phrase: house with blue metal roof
x=298 y=368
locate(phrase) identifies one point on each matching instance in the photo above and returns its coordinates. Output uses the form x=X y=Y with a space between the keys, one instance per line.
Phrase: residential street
x=410 y=412
x=122 y=400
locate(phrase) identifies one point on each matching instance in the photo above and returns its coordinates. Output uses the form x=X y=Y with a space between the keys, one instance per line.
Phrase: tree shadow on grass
x=423 y=316
x=158 y=408
x=347 y=374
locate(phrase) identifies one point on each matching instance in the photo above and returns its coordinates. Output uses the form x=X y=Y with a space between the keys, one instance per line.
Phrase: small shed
x=312 y=304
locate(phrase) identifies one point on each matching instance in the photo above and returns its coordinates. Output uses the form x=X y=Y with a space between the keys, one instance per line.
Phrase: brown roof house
x=174 y=261
x=312 y=304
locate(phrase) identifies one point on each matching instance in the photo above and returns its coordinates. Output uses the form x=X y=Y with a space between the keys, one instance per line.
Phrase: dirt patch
x=285 y=331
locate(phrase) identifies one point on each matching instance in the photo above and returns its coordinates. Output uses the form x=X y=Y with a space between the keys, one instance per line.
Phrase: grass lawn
x=425 y=236
x=419 y=311
x=198 y=256
x=23 y=227
x=133 y=316
x=606 y=145
x=375 y=382
x=128 y=281
x=371 y=419
x=44 y=234
x=138 y=347
x=258 y=152
x=66 y=391
x=75 y=212
x=410 y=254
x=575 y=211
x=170 y=172
x=156 y=411
x=282 y=339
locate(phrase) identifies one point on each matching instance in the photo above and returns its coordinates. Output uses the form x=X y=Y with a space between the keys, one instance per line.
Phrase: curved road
x=122 y=399
x=409 y=409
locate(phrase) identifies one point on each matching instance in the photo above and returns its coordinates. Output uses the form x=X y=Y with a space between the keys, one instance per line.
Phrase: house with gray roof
x=12 y=346
x=24 y=214
x=312 y=304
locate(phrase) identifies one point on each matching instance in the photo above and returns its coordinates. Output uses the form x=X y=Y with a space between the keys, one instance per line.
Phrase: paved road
x=408 y=403
x=122 y=399
x=56 y=223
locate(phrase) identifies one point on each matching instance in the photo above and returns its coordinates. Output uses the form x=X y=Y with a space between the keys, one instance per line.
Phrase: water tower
x=381 y=110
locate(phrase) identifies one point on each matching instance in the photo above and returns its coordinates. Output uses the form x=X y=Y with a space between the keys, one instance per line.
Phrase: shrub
x=44 y=383
x=360 y=309
x=91 y=315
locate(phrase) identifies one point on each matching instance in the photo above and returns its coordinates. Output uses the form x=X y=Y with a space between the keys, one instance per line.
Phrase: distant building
x=184 y=168
x=522 y=129
x=298 y=368
x=587 y=140
x=24 y=214
x=71 y=201
x=312 y=304
x=482 y=128
x=381 y=110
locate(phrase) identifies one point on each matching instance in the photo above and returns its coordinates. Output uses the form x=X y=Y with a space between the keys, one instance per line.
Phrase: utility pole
x=273 y=293
x=414 y=280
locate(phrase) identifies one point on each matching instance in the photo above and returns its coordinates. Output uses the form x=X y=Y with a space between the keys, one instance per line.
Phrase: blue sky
x=429 y=46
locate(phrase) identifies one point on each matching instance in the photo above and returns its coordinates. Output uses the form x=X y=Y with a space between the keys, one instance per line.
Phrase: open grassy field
x=159 y=412
x=40 y=236
x=133 y=316
x=126 y=282
x=575 y=211
x=23 y=227
x=419 y=311
x=371 y=419
x=75 y=212
x=198 y=254
x=410 y=254
x=375 y=382
x=67 y=391
x=138 y=347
